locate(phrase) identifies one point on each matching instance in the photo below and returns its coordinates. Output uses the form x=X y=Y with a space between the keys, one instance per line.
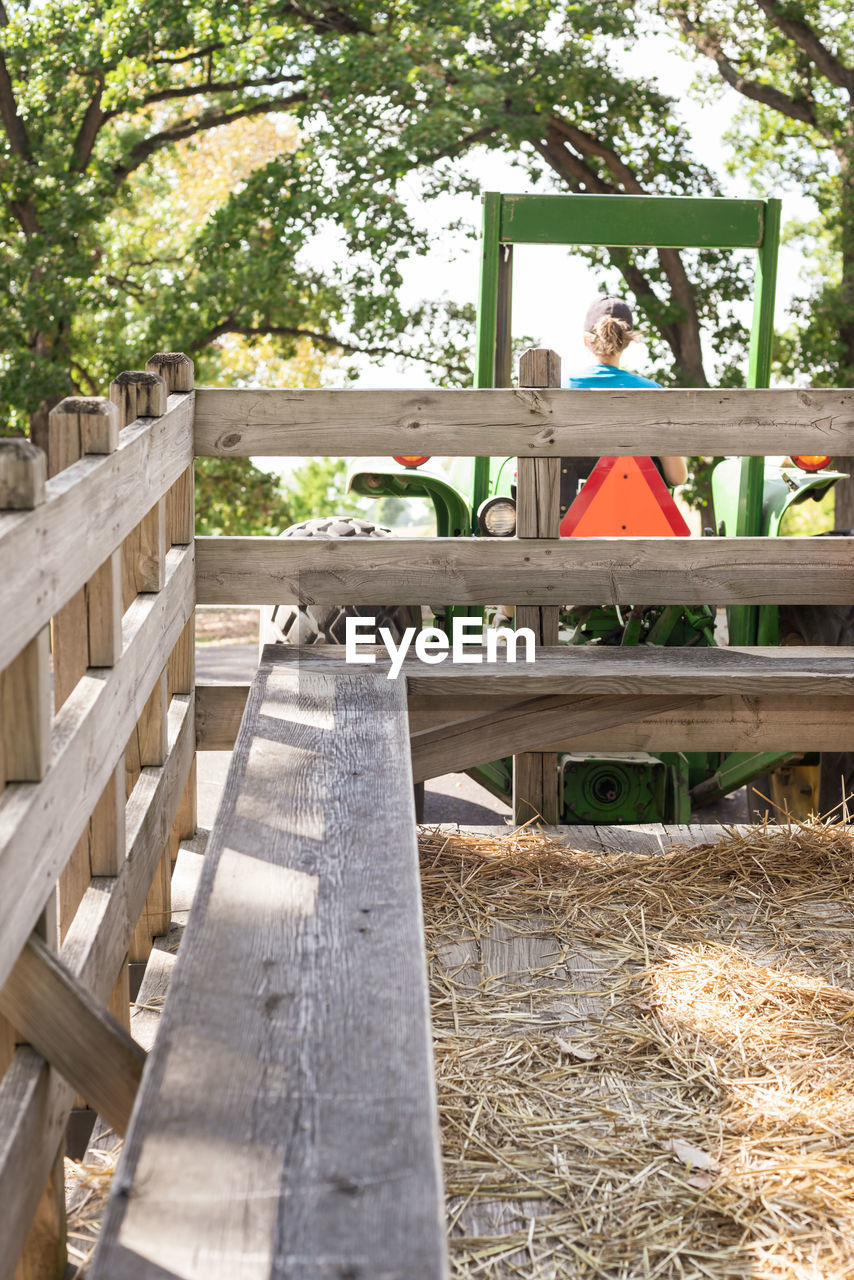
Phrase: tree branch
x=808 y=41
x=204 y=52
x=682 y=336
x=16 y=130
x=590 y=145
x=331 y=18
x=211 y=119
x=710 y=45
x=225 y=86
x=84 y=143
x=327 y=340
x=19 y=142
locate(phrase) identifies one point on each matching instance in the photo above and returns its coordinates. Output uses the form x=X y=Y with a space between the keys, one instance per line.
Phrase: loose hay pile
x=645 y=1062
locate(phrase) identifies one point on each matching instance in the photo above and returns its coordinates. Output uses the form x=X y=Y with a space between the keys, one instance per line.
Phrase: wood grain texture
x=23 y=472
x=526 y=726
x=535 y=776
x=772 y=723
x=174 y=367
x=81 y=424
x=108 y=493
x=473 y=571
x=591 y=670
x=104 y=612
x=545 y=423
x=73 y=1031
x=35 y=1101
x=25 y=713
x=729 y=724
x=219 y=710
x=176 y=370
x=143 y=553
x=138 y=394
x=294 y=1054
x=40 y=826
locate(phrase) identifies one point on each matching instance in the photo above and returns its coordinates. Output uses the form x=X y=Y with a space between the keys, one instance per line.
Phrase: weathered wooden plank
x=475 y=571
x=23 y=472
x=775 y=723
x=524 y=726
x=544 y=423
x=535 y=776
x=590 y=670
x=25 y=707
x=299 y=1075
x=176 y=370
x=40 y=825
x=109 y=493
x=60 y=1018
x=35 y=1101
x=219 y=710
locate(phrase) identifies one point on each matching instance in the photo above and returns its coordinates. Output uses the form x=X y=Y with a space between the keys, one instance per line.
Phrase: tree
x=93 y=98
x=792 y=61
x=541 y=83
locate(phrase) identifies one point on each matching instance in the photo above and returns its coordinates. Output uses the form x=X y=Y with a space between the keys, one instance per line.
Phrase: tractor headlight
x=497 y=518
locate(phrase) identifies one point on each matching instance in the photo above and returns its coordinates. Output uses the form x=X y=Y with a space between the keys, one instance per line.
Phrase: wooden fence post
x=87 y=632
x=177 y=371
x=535 y=778
x=25 y=722
x=25 y=684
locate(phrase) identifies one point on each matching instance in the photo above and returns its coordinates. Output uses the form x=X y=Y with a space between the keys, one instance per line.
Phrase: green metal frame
x=616 y=221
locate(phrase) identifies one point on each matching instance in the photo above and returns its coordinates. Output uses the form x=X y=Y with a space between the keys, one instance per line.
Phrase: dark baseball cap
x=609 y=306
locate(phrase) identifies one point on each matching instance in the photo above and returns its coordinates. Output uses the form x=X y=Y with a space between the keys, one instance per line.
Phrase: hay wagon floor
x=644 y=1060
x=643 y=1057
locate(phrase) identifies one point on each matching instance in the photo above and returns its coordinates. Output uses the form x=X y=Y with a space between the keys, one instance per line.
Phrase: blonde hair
x=610 y=336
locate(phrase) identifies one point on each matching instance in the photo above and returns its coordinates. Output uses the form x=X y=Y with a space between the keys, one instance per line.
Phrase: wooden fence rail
x=490 y=571
x=99 y=577
x=534 y=422
x=97 y=744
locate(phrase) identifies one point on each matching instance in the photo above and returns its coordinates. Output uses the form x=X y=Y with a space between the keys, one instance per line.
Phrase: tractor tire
x=325 y=624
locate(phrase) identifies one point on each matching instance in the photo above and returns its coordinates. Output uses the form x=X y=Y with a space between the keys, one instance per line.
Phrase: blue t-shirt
x=607 y=378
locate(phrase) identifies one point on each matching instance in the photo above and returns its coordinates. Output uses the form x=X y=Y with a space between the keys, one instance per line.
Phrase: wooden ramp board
x=286 y=1125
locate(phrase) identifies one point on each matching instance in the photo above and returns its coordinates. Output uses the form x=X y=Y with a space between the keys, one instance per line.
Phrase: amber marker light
x=810 y=463
x=413 y=461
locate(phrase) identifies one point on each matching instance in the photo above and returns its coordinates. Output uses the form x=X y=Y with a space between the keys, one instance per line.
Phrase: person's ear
x=587 y=343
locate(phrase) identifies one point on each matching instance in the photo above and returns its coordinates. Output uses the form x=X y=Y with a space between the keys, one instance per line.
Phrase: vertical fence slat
x=535 y=777
x=176 y=370
x=138 y=394
x=25 y=684
x=25 y=716
x=25 y=707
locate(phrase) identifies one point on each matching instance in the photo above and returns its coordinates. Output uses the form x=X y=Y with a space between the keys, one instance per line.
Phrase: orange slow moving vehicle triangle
x=624 y=497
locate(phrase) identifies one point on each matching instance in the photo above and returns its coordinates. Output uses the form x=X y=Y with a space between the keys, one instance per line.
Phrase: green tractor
x=476 y=498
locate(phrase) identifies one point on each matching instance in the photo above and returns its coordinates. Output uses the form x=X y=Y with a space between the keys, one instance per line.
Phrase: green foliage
x=793 y=63
x=95 y=100
x=234 y=497
x=319 y=488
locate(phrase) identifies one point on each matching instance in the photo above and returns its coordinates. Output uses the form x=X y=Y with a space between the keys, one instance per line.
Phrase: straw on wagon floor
x=645 y=1061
